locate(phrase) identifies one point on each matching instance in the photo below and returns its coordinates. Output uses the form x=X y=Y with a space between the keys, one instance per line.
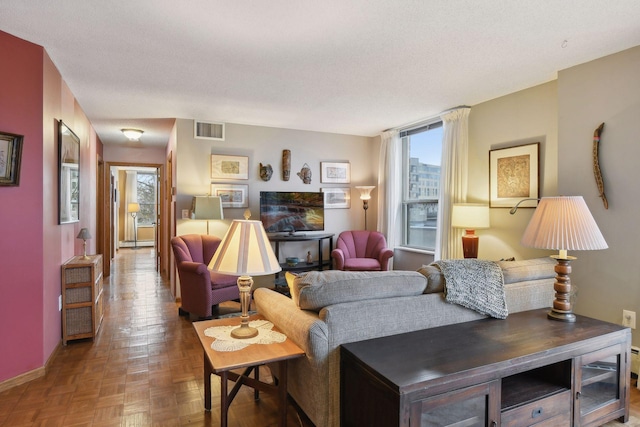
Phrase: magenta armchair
x=200 y=288
x=361 y=250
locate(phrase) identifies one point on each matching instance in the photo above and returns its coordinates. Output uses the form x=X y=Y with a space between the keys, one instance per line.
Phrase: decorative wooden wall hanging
x=286 y=165
x=596 y=165
x=265 y=172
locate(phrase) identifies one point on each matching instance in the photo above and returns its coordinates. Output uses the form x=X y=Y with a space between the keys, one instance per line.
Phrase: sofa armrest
x=384 y=257
x=338 y=256
x=303 y=327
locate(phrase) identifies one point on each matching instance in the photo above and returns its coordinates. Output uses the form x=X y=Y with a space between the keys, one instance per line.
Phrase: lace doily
x=225 y=342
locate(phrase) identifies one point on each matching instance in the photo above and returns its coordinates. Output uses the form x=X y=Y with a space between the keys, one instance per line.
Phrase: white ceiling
x=343 y=66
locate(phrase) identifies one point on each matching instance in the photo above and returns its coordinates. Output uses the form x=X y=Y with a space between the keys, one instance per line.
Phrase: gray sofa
x=331 y=308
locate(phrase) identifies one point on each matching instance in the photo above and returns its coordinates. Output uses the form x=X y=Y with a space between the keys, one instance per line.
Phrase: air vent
x=208 y=130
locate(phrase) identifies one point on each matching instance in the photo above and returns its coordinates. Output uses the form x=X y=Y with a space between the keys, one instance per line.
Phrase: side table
x=221 y=363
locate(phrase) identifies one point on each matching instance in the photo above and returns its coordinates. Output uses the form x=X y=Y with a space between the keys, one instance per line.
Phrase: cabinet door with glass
x=475 y=406
x=600 y=386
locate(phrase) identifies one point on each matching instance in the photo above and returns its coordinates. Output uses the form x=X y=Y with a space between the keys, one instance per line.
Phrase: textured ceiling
x=343 y=66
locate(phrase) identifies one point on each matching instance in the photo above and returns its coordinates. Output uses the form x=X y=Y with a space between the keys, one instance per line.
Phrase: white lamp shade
x=365 y=191
x=207 y=207
x=563 y=223
x=245 y=250
x=133 y=207
x=471 y=216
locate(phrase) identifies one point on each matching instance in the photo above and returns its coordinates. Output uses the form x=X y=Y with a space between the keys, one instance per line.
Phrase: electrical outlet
x=59 y=302
x=629 y=318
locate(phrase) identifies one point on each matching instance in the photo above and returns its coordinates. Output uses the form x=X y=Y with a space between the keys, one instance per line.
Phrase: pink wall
x=32 y=243
x=21 y=213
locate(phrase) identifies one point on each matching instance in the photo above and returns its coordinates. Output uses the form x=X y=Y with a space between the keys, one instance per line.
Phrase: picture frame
x=68 y=175
x=232 y=195
x=10 y=159
x=514 y=174
x=337 y=198
x=335 y=172
x=229 y=167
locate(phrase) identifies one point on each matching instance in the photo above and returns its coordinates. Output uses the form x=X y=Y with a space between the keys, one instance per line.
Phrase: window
x=422 y=155
x=146 y=198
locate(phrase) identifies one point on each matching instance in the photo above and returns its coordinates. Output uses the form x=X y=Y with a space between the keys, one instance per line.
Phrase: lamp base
x=244 y=331
x=470 y=243
x=561 y=310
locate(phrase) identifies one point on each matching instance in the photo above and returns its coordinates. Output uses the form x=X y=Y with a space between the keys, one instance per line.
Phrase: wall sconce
x=365 y=196
x=470 y=216
x=133 y=209
x=132 y=134
x=84 y=235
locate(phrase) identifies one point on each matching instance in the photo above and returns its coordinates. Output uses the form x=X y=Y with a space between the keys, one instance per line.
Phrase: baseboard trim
x=30 y=375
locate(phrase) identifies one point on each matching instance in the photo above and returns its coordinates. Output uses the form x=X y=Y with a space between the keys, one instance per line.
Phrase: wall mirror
x=69 y=175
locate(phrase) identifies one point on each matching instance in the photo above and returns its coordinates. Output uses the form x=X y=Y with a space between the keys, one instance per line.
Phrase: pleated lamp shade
x=245 y=251
x=563 y=223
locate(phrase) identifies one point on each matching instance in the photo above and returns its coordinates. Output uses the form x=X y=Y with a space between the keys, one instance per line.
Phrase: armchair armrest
x=384 y=257
x=338 y=256
x=194 y=268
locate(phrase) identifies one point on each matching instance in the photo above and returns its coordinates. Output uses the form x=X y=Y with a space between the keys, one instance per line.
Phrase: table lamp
x=207 y=208
x=365 y=196
x=245 y=251
x=84 y=235
x=563 y=223
x=470 y=216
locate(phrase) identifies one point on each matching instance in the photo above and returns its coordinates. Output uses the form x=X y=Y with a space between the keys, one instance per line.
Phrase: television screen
x=291 y=211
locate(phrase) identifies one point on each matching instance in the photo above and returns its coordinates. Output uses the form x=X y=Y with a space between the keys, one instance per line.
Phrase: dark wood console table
x=320 y=264
x=523 y=371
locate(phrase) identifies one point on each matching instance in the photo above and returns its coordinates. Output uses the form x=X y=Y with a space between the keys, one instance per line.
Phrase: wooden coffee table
x=222 y=362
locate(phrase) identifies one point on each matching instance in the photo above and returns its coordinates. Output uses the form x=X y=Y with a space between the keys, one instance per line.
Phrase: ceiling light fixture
x=132 y=134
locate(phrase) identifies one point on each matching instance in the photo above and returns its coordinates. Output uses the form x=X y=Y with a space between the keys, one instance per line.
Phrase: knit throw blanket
x=475 y=284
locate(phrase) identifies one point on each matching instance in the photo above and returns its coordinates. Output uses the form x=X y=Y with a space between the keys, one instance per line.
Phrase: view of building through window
x=146 y=198
x=423 y=155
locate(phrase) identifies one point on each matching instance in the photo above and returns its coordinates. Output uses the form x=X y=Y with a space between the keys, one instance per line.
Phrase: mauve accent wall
x=21 y=212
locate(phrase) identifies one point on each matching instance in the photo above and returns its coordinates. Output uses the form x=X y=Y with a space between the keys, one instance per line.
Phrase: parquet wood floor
x=144 y=368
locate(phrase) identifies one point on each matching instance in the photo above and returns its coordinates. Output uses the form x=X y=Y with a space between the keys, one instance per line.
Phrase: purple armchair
x=200 y=288
x=361 y=250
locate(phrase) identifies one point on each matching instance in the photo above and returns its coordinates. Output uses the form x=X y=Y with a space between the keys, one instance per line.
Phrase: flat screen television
x=291 y=211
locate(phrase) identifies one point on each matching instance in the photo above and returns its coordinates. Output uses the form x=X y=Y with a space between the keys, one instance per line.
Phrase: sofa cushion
x=435 y=279
x=528 y=269
x=317 y=289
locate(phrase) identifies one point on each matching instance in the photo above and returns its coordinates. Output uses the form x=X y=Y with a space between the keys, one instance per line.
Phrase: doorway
x=135 y=210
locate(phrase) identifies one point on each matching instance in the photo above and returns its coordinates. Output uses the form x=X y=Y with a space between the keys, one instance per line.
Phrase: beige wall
x=605 y=90
x=523 y=117
x=265 y=145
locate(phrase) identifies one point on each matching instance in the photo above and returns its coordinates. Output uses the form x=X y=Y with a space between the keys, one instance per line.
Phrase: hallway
x=145 y=367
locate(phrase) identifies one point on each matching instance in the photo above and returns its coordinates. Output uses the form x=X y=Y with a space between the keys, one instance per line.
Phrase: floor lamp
x=563 y=223
x=133 y=209
x=207 y=208
x=365 y=196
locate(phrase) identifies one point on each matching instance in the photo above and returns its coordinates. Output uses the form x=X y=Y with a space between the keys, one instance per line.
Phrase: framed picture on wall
x=10 y=156
x=335 y=173
x=514 y=173
x=68 y=175
x=232 y=195
x=229 y=167
x=337 y=198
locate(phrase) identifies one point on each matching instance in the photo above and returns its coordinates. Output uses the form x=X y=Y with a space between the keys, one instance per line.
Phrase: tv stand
x=319 y=264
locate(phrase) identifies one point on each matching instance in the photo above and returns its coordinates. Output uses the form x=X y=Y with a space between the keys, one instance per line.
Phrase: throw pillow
x=435 y=278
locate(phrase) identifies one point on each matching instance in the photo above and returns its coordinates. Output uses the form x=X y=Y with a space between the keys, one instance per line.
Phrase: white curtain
x=453 y=180
x=390 y=188
x=131 y=196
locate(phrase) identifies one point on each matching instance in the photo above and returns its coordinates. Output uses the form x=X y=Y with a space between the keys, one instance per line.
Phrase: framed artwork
x=335 y=173
x=337 y=198
x=10 y=157
x=232 y=195
x=68 y=175
x=229 y=167
x=514 y=173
